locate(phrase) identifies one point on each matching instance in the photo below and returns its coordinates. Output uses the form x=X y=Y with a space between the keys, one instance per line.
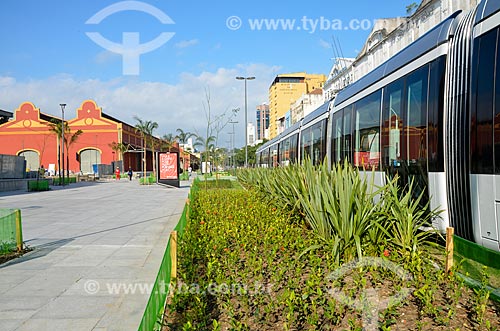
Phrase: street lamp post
x=228 y=162
x=63 y=105
x=246 y=117
x=232 y=142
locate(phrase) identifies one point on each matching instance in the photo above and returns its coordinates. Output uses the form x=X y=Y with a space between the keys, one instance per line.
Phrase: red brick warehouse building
x=28 y=134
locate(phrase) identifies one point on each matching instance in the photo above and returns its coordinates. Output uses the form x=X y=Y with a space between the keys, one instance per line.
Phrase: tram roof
x=432 y=39
x=486 y=9
x=318 y=112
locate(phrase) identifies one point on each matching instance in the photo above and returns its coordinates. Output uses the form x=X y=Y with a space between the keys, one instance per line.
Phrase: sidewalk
x=93 y=242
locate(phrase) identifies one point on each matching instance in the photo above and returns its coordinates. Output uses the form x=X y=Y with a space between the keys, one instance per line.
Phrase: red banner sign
x=168 y=166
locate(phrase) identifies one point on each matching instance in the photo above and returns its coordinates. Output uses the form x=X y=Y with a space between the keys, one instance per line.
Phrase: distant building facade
x=251 y=134
x=306 y=104
x=4 y=116
x=285 y=90
x=388 y=37
x=262 y=121
x=28 y=134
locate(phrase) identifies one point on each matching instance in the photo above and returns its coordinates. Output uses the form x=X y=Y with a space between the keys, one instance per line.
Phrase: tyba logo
x=130 y=48
x=369 y=303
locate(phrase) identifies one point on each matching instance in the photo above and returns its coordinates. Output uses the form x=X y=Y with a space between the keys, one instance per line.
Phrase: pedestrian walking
x=130 y=173
x=117 y=173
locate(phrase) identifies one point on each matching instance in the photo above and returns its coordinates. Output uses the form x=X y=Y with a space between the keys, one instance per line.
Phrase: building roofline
x=5 y=113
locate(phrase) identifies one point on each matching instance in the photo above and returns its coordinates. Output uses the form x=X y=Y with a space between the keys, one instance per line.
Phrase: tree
x=69 y=139
x=146 y=129
x=41 y=147
x=208 y=144
x=119 y=148
x=56 y=127
x=184 y=136
x=185 y=154
x=167 y=141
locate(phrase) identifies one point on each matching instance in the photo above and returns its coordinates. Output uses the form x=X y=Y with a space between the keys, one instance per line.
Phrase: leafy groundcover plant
x=248 y=261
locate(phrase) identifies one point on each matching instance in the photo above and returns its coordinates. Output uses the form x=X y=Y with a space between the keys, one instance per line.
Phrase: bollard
x=19 y=231
x=449 y=248
x=173 y=254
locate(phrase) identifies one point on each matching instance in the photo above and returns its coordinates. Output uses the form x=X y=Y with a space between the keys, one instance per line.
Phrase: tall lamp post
x=63 y=105
x=246 y=117
x=232 y=142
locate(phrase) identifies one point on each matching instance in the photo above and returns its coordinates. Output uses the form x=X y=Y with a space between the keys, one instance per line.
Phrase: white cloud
x=186 y=43
x=173 y=106
x=6 y=81
x=325 y=44
x=107 y=57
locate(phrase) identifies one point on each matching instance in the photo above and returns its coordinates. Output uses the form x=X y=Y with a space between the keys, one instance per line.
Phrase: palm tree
x=168 y=141
x=69 y=139
x=119 y=148
x=184 y=136
x=146 y=128
x=56 y=127
x=208 y=144
x=185 y=154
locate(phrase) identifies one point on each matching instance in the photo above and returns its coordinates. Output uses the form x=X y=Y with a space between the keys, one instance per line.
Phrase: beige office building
x=285 y=90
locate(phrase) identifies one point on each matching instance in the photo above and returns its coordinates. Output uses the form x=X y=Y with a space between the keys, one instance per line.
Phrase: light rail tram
x=431 y=113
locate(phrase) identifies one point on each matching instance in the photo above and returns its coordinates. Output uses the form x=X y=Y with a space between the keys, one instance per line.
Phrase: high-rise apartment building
x=262 y=117
x=285 y=90
x=251 y=134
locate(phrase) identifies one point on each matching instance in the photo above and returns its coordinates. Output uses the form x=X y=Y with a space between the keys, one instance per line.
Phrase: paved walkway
x=93 y=242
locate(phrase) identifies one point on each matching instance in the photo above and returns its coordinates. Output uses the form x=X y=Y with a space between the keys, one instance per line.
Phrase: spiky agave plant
x=405 y=219
x=339 y=206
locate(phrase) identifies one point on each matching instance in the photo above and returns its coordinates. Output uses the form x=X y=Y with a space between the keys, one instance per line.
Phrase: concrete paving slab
x=77 y=307
x=19 y=314
x=11 y=324
x=59 y=324
x=110 y=234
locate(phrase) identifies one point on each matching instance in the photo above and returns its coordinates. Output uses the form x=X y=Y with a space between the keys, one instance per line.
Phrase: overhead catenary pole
x=232 y=143
x=63 y=105
x=246 y=117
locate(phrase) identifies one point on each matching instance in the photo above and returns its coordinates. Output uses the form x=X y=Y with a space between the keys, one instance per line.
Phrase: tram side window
x=347 y=134
x=416 y=130
x=337 y=137
x=435 y=133
x=274 y=155
x=318 y=141
x=285 y=152
x=392 y=123
x=483 y=96
x=306 y=144
x=497 y=110
x=293 y=147
x=367 y=131
x=282 y=155
x=265 y=158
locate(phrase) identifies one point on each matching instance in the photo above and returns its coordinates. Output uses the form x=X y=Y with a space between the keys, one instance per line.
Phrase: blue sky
x=47 y=58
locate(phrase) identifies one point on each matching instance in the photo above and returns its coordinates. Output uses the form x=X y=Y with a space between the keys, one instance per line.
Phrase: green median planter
x=39 y=185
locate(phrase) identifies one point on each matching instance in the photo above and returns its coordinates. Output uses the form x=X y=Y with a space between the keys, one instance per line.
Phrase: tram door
x=404 y=138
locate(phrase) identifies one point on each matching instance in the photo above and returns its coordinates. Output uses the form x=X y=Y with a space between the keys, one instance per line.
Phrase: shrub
x=345 y=209
x=38 y=185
